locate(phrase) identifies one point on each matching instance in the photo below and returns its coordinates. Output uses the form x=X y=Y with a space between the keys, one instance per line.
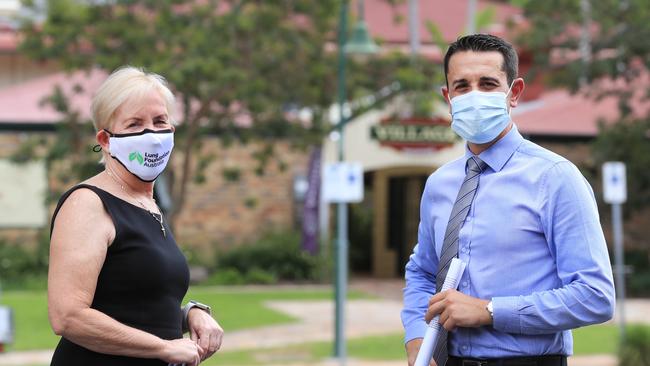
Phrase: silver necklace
x=155 y=216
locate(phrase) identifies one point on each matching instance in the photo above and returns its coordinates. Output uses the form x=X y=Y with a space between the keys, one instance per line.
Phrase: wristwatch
x=490 y=309
x=186 y=311
x=195 y=304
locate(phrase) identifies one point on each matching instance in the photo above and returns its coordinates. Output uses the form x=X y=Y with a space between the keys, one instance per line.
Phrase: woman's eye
x=132 y=123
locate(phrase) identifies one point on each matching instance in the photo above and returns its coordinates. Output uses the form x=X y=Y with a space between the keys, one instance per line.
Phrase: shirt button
x=468 y=219
x=465 y=284
x=464 y=348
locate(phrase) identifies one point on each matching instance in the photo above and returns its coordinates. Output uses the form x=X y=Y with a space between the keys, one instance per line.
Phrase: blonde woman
x=117 y=277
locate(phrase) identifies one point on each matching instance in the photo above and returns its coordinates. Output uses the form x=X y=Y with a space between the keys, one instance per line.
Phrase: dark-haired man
x=522 y=218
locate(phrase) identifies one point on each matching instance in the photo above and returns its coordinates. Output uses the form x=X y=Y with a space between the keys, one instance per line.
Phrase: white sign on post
x=6 y=325
x=343 y=182
x=614 y=183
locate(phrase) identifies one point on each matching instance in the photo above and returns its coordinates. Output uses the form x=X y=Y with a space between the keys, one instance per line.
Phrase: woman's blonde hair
x=123 y=84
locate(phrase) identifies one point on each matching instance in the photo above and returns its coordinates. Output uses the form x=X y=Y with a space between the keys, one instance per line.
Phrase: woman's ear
x=102 y=138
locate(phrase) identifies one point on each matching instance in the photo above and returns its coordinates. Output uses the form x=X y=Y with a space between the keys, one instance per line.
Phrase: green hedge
x=23 y=268
x=637 y=283
x=636 y=349
x=275 y=257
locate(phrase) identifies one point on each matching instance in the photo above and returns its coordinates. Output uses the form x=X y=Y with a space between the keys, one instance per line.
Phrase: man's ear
x=516 y=92
x=445 y=93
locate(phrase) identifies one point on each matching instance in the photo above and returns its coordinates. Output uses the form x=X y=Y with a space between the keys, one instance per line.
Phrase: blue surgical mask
x=479 y=117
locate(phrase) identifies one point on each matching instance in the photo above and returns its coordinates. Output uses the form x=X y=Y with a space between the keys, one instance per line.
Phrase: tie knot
x=475 y=164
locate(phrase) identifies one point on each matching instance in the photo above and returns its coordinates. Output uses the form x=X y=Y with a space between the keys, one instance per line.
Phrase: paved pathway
x=363 y=318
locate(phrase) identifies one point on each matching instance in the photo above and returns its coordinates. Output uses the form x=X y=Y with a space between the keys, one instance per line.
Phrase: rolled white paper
x=456 y=269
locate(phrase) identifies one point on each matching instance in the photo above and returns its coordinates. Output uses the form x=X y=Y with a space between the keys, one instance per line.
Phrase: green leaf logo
x=136 y=156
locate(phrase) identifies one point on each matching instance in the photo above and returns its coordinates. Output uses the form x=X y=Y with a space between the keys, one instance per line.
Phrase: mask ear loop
x=97 y=148
x=509 y=90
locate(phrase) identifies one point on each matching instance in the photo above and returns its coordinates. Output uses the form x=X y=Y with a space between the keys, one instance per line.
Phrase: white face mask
x=145 y=154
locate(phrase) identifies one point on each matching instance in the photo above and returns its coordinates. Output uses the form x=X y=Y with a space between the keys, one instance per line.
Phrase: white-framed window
x=22 y=194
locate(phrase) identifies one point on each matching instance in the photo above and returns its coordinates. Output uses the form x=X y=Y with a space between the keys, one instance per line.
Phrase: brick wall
x=224 y=213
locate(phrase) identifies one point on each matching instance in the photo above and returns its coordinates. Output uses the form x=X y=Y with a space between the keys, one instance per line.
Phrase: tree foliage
x=231 y=62
x=614 y=44
x=629 y=141
x=601 y=48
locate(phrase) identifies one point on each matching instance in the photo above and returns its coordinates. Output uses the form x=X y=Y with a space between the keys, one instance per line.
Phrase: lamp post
x=360 y=43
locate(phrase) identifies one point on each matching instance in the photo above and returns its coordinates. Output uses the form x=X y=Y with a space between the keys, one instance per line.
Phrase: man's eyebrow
x=488 y=78
x=459 y=81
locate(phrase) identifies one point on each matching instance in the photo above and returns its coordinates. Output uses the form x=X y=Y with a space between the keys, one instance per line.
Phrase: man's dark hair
x=485 y=43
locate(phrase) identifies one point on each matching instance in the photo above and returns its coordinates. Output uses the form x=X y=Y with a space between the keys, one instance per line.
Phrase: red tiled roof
x=554 y=113
x=559 y=113
x=21 y=103
x=390 y=24
x=8 y=40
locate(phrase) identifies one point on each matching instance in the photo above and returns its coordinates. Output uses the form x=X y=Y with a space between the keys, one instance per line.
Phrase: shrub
x=260 y=277
x=228 y=276
x=636 y=349
x=638 y=282
x=274 y=257
x=19 y=266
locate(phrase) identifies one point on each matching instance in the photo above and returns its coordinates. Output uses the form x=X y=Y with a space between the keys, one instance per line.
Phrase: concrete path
x=363 y=318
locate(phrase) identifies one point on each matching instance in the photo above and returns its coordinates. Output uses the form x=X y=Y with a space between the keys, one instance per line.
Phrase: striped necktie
x=450 y=244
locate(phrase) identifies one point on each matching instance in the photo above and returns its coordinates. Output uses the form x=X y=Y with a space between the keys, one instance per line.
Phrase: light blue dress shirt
x=533 y=244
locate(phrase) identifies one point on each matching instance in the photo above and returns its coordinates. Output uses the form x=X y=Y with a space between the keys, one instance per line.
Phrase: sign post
x=342 y=184
x=615 y=193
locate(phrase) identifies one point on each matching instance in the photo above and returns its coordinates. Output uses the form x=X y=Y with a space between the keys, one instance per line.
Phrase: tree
x=600 y=48
x=228 y=61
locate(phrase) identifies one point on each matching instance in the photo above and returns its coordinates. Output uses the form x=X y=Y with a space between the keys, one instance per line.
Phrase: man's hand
x=205 y=331
x=458 y=310
x=412 y=348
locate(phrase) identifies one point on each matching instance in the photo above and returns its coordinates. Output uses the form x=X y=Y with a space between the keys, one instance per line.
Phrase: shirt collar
x=498 y=154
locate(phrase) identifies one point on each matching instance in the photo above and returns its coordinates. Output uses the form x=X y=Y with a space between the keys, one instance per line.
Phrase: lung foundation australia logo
x=414 y=133
x=135 y=155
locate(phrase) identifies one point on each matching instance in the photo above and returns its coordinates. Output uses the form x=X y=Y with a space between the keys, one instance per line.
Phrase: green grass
x=596 y=339
x=30 y=318
x=235 y=309
x=239 y=309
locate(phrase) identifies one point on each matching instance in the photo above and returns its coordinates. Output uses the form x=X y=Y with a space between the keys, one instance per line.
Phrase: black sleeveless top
x=141 y=284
